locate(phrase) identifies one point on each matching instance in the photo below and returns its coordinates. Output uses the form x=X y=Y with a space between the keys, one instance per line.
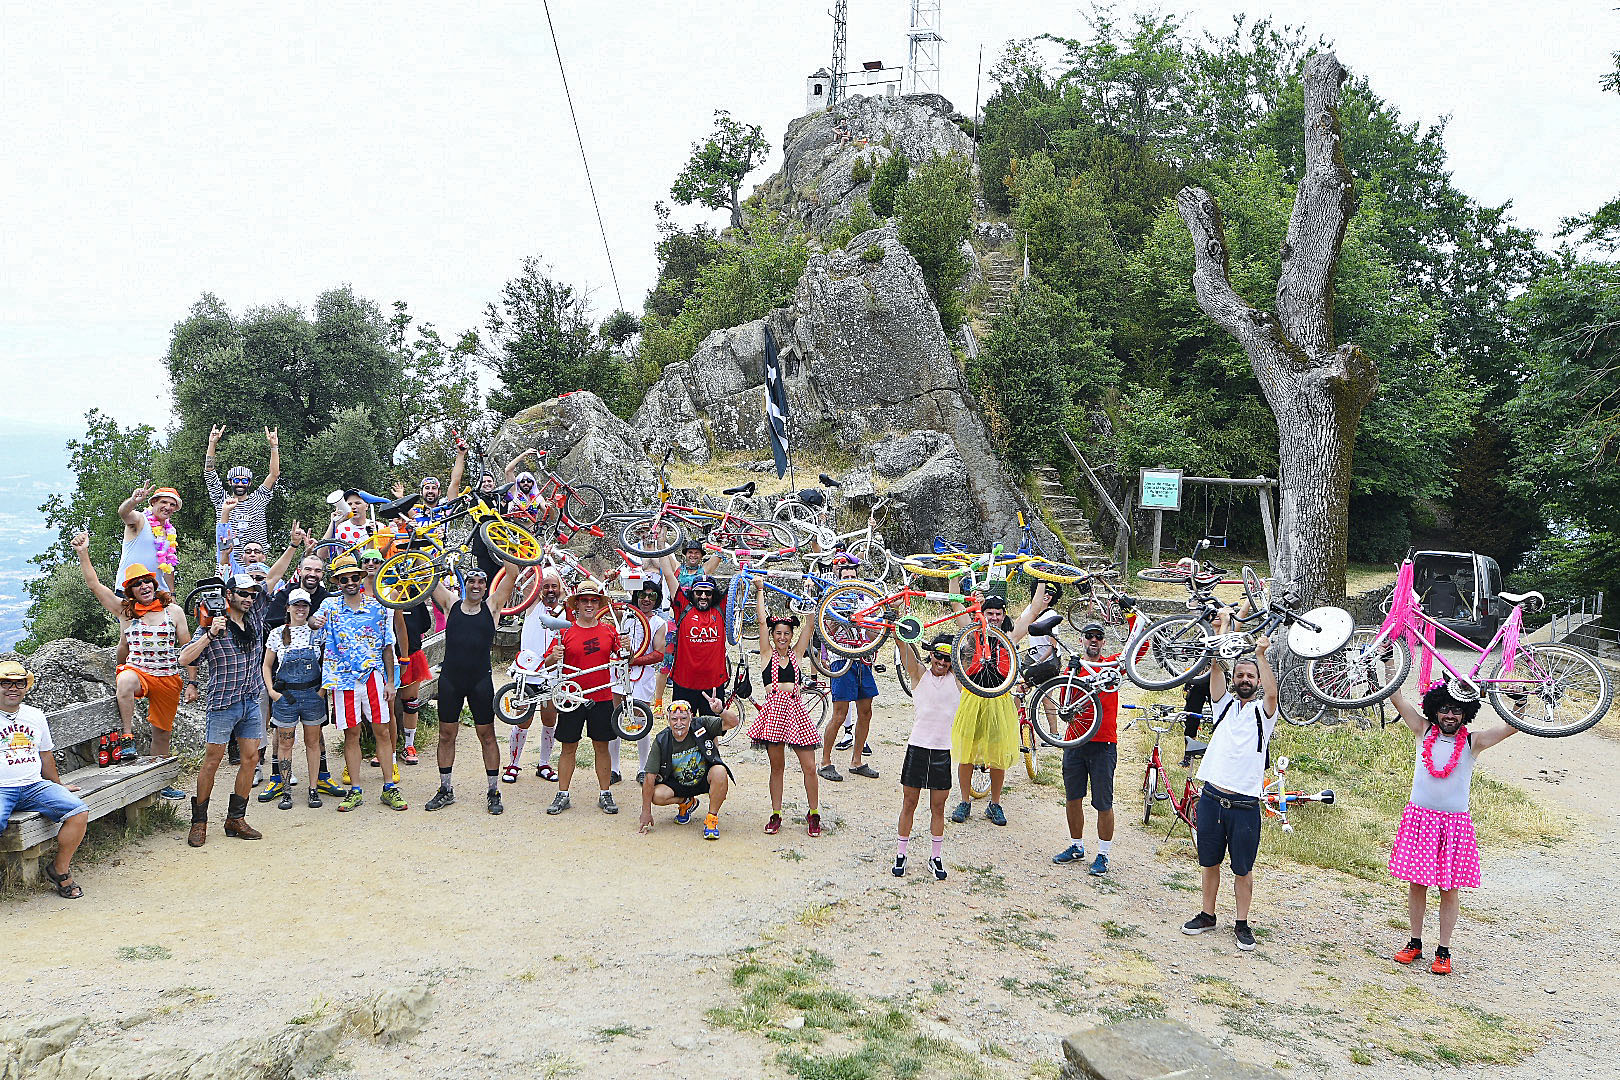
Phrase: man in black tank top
x=465 y=679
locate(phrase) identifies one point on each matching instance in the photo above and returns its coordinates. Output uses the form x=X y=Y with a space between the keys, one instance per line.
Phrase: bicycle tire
x=1255 y=591
x=934 y=566
x=796 y=516
x=504 y=707
x=979 y=782
x=1165 y=575
x=652 y=536
x=741 y=707
x=632 y=721
x=973 y=649
x=1058 y=573
x=406 y=580
x=1168 y=655
x=1298 y=705
x=1027 y=747
x=329 y=549
x=816 y=705
x=874 y=559
x=585 y=504
x=1150 y=787
x=737 y=599
x=1354 y=677
x=854 y=595
x=1593 y=691
x=901 y=675
x=630 y=622
x=511 y=542
x=827 y=663
x=1073 y=703
x=524 y=593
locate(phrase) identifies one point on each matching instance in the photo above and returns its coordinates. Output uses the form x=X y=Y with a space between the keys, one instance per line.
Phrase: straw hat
x=589 y=587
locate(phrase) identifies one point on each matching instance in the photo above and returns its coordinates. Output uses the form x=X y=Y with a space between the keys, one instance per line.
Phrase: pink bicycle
x=1541 y=688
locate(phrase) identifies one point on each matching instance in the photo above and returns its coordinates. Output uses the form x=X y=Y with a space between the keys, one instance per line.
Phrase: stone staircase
x=1065 y=511
x=1002 y=274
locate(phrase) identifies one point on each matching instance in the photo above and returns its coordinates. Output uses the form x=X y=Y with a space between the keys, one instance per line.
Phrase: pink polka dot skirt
x=1435 y=848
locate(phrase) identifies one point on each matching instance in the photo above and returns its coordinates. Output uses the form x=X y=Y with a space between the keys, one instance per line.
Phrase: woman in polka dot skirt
x=1434 y=843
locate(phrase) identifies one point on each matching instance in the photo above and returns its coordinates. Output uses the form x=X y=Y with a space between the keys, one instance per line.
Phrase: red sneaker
x=410 y=756
x=813 y=821
x=774 y=825
x=1409 y=954
x=1441 y=965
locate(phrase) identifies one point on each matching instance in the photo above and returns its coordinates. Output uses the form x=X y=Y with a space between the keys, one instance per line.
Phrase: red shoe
x=774 y=825
x=410 y=756
x=1441 y=965
x=1409 y=954
x=813 y=821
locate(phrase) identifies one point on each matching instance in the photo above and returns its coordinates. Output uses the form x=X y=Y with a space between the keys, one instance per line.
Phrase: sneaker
x=773 y=825
x=1441 y=965
x=410 y=756
x=1198 y=924
x=286 y=800
x=864 y=770
x=277 y=788
x=315 y=802
x=866 y=749
x=492 y=802
x=846 y=739
x=1186 y=761
x=960 y=814
x=441 y=799
x=641 y=778
x=126 y=749
x=172 y=793
x=1072 y=853
x=1245 y=936
x=351 y=801
x=938 y=867
x=1412 y=952
x=813 y=824
x=392 y=798
x=326 y=787
x=605 y=803
x=683 y=811
x=995 y=813
x=830 y=772
x=559 y=804
x=711 y=827
x=899 y=867
x=615 y=778
x=258 y=773
x=1099 y=865
x=373 y=762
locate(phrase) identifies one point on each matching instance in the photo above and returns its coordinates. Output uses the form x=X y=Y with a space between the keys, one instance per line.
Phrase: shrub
x=860 y=172
x=887 y=181
x=873 y=254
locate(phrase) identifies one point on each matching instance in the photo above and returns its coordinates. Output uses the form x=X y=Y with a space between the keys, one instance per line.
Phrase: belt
x=1234 y=802
x=298 y=686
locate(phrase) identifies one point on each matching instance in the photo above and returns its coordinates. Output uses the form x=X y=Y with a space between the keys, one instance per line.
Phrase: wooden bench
x=130 y=788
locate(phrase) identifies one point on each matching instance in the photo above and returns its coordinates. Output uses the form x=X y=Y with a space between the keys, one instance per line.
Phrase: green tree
x=433 y=391
x=887 y=180
x=715 y=172
x=935 y=211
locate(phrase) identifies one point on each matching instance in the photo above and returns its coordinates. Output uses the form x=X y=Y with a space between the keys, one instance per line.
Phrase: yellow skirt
x=985 y=731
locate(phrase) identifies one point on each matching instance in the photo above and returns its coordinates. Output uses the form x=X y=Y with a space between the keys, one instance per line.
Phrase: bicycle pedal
x=1160 y=796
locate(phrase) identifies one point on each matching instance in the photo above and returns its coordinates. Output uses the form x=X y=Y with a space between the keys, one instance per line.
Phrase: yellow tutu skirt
x=985 y=731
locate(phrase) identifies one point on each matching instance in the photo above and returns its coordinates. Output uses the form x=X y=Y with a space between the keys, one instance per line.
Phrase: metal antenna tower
x=840 y=60
x=922 y=56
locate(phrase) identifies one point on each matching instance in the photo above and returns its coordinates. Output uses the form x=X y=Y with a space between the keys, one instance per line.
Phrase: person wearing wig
x=783 y=720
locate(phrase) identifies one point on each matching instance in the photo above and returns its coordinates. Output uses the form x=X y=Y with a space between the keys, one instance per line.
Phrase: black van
x=1458 y=589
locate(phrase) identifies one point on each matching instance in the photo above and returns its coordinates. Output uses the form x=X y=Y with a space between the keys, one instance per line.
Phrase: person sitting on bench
x=28 y=776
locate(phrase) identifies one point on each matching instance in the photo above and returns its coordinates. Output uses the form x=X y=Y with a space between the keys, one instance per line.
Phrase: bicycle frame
x=1155 y=786
x=1408 y=620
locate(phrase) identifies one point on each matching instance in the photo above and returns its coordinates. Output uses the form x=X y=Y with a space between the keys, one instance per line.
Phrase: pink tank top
x=935 y=697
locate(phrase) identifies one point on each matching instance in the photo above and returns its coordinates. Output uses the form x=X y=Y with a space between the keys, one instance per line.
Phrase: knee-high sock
x=613 y=754
x=519 y=737
x=643 y=744
x=548 y=739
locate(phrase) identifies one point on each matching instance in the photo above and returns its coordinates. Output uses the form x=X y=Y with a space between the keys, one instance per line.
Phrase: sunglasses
x=1094 y=637
x=349 y=579
x=245 y=592
x=13 y=684
x=138 y=582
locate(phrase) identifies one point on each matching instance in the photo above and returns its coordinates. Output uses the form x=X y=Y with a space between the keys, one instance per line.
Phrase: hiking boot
x=683 y=811
x=1198 y=924
x=773 y=824
x=441 y=799
x=325 y=786
x=492 y=802
x=559 y=804
x=1072 y=853
x=351 y=801
x=899 y=867
x=960 y=814
x=1412 y=952
x=864 y=770
x=711 y=827
x=276 y=789
x=996 y=814
x=938 y=867
x=392 y=798
x=1099 y=866
x=605 y=803
x=1245 y=936
x=830 y=772
x=813 y=824
x=315 y=802
x=410 y=756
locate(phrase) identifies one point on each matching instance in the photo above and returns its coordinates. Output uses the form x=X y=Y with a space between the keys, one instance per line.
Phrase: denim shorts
x=299 y=707
x=43 y=797
x=855 y=684
x=1228 y=825
x=240 y=720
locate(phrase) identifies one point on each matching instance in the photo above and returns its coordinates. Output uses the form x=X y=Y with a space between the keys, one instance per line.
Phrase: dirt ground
x=573 y=945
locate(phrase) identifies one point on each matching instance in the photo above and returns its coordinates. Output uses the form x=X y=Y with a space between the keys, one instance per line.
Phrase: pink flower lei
x=164 y=542
x=1456 y=751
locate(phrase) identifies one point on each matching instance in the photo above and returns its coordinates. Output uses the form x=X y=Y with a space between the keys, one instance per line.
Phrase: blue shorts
x=855 y=684
x=299 y=707
x=43 y=797
x=240 y=720
x=1228 y=826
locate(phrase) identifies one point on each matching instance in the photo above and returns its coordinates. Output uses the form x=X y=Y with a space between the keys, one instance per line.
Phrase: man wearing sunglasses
x=247 y=514
x=358 y=670
x=28 y=776
x=1092 y=762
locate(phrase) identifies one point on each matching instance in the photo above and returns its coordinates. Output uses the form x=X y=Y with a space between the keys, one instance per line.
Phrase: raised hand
x=399 y=489
x=297 y=536
x=214 y=435
x=1261 y=644
x=80 y=541
x=273 y=437
x=229 y=504
x=139 y=494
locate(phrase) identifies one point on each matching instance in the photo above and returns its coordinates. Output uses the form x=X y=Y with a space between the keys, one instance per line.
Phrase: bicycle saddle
x=1194 y=747
x=812 y=497
x=1044 y=625
x=1519 y=598
x=827 y=481
x=745 y=490
x=397 y=508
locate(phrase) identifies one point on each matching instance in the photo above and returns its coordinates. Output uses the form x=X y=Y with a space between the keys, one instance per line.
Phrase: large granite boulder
x=67 y=672
x=584 y=442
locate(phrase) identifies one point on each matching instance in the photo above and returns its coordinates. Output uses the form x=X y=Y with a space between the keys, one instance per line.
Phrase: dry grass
x=1359 y=577
x=1414 y=1025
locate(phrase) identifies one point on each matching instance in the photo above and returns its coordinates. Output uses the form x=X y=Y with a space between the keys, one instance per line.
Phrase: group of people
x=299 y=644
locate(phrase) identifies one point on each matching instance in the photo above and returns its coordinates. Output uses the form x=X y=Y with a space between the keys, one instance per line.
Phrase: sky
x=267 y=153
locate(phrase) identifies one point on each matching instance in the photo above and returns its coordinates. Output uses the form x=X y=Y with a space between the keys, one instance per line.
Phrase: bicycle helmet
x=692 y=545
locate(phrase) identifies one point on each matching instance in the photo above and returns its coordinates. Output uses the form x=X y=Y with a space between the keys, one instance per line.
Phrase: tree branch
x=1322 y=208
x=1258 y=333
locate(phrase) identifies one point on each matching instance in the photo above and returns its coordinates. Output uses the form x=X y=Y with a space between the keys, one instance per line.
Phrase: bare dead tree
x=1316 y=389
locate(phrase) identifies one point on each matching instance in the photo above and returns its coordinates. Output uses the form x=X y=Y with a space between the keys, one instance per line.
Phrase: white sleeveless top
x=935 y=697
x=1450 y=794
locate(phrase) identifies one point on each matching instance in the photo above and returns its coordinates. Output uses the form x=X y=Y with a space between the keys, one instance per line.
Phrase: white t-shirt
x=299 y=637
x=24 y=736
x=1236 y=758
x=935 y=698
x=644 y=677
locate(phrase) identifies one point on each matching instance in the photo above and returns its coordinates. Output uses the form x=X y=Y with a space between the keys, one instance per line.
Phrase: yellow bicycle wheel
x=1058 y=573
x=406 y=580
x=1028 y=749
x=511 y=542
x=937 y=566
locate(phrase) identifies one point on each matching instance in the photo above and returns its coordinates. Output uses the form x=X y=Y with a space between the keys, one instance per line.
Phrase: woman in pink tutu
x=1434 y=843
x=783 y=720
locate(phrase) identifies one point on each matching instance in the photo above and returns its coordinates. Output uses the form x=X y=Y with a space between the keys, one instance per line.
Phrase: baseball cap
x=298 y=596
x=243 y=582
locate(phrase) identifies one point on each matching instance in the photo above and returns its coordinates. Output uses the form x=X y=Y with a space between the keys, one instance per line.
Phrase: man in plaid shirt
x=231 y=646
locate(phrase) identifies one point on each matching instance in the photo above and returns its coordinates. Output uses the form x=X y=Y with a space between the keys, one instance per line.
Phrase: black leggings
x=477 y=693
x=1197 y=702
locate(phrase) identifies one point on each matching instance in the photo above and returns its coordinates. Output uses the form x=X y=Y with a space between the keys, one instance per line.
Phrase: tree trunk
x=1315 y=388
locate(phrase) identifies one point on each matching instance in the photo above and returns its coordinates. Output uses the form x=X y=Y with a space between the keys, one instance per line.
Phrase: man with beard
x=1092 y=762
x=464 y=677
x=1234 y=777
x=586 y=648
x=537 y=637
x=358 y=670
x=248 y=512
x=700 y=640
x=149 y=535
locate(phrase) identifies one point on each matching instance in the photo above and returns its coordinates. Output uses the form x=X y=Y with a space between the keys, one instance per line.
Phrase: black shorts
x=682 y=791
x=925 y=768
x=476 y=693
x=695 y=698
x=1091 y=762
x=1232 y=829
x=593 y=719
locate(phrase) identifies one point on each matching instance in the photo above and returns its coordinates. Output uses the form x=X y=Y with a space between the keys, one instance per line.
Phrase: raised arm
x=457 y=470
x=109 y=599
x=128 y=510
x=216 y=490
x=511 y=466
x=1217 y=672
x=909 y=660
x=273 y=437
x=1268 y=678
x=295 y=544
x=501 y=595
x=1039 y=601
x=807 y=630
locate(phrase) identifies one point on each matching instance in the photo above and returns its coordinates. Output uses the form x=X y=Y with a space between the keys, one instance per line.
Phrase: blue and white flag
x=776 y=404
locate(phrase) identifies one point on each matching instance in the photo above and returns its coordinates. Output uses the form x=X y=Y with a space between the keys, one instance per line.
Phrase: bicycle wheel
x=828 y=664
x=651 y=536
x=900 y=674
x=329 y=549
x=1355 y=676
x=524 y=593
x=632 y=721
x=850 y=621
x=1168 y=574
x=632 y=625
x=1169 y=653
x=742 y=708
x=406 y=580
x=985 y=661
x=1059 y=573
x=874 y=559
x=1299 y=706
x=934 y=566
x=1027 y=746
x=585 y=504
x=1150 y=787
x=510 y=706
x=511 y=542
x=815 y=699
x=1555 y=691
x=1065 y=711
x=1255 y=590
x=738 y=600
x=796 y=516
x=979 y=783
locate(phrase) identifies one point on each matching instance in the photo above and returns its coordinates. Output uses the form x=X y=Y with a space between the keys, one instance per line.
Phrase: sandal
x=509 y=775
x=546 y=772
x=66 y=887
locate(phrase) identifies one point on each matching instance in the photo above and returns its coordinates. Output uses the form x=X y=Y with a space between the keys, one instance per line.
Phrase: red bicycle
x=1156 y=785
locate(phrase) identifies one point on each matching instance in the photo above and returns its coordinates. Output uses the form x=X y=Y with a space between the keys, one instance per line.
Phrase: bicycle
x=537 y=682
x=408 y=577
x=1543 y=688
x=1070 y=701
x=582 y=504
x=661 y=532
x=1276 y=797
x=815 y=523
x=1155 y=785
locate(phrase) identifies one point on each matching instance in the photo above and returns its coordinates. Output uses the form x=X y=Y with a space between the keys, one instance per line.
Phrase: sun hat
x=135 y=571
x=13 y=669
x=590 y=587
x=166 y=493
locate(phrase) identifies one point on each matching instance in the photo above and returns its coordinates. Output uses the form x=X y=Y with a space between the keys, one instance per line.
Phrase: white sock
x=519 y=737
x=643 y=746
x=1103 y=846
x=410 y=737
x=605 y=791
x=548 y=739
x=613 y=754
x=1078 y=841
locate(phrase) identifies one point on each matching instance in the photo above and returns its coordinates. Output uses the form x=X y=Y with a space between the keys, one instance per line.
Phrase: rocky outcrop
x=584 y=442
x=816 y=186
x=66 y=672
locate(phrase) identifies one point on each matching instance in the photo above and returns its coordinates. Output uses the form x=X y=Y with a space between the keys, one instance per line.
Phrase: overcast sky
x=420 y=151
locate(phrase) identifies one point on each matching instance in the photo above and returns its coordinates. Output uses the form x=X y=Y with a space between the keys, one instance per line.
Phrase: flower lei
x=1456 y=751
x=165 y=543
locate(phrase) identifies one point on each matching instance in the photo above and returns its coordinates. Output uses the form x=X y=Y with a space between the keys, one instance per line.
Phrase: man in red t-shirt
x=700 y=642
x=1092 y=761
x=586 y=647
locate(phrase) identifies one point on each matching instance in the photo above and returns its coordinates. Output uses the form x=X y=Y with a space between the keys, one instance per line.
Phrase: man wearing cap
x=149 y=536
x=537 y=637
x=1092 y=762
x=430 y=507
x=700 y=639
x=231 y=645
x=644 y=676
x=154 y=630
x=310 y=576
x=586 y=649
x=857 y=685
x=28 y=776
x=685 y=763
x=358 y=669
x=248 y=513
